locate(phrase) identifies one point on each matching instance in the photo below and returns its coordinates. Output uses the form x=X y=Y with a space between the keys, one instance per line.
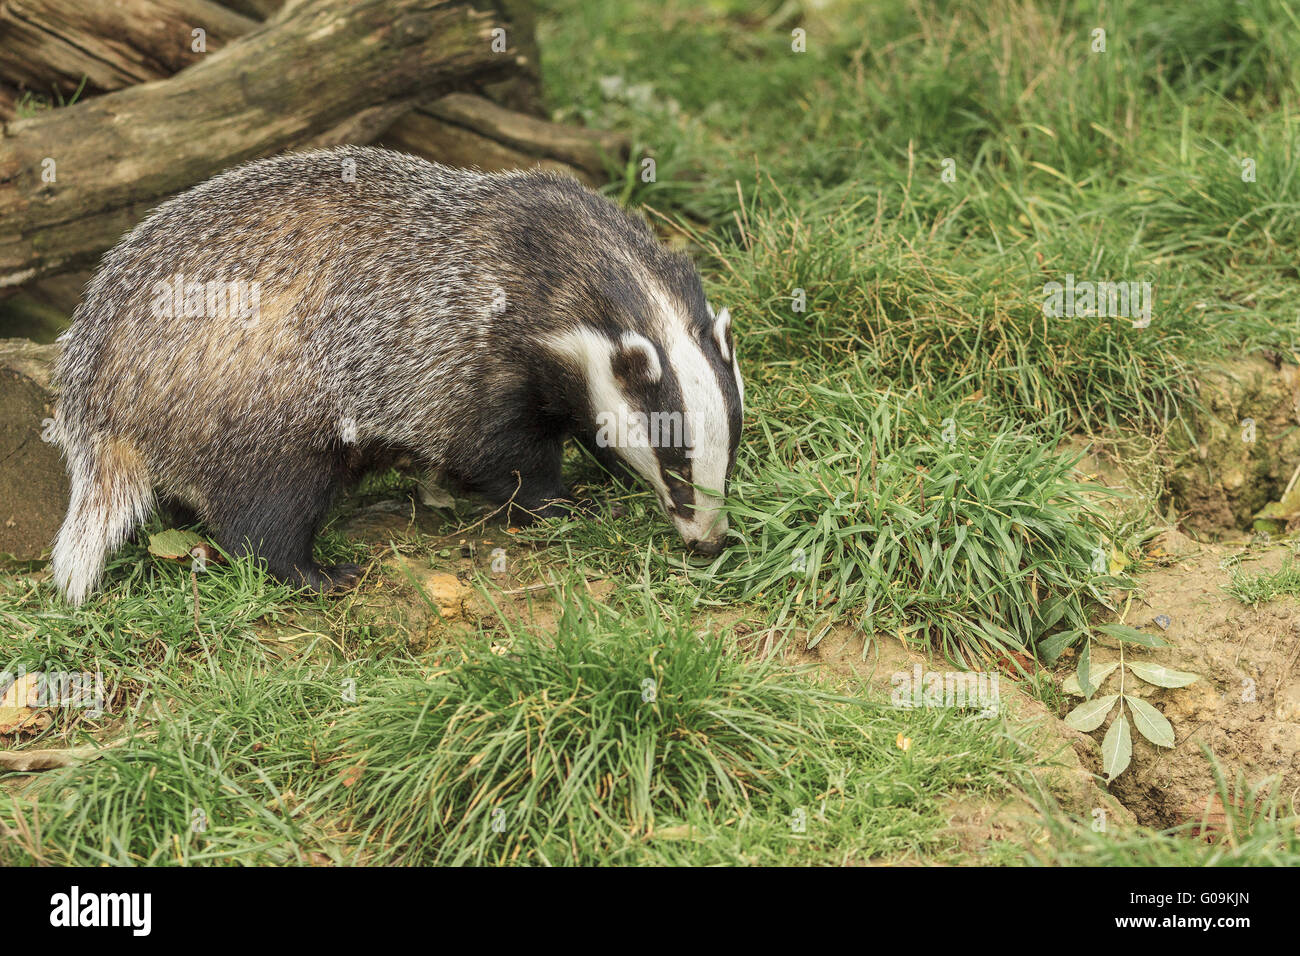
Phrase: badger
x=254 y=338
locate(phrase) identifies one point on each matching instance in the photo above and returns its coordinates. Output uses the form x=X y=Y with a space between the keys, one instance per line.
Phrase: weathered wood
x=51 y=45
x=59 y=293
x=521 y=91
x=257 y=9
x=428 y=137
x=73 y=180
x=461 y=129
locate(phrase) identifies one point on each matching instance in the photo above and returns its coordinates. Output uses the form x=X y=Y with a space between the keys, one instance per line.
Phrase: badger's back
x=315 y=276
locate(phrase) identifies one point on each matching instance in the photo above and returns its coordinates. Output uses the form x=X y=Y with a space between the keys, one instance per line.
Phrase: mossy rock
x=33 y=482
x=1245 y=444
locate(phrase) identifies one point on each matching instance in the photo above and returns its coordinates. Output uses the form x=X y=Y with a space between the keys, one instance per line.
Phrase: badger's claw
x=335 y=579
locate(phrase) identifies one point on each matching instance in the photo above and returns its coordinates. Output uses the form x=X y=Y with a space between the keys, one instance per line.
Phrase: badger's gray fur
x=255 y=334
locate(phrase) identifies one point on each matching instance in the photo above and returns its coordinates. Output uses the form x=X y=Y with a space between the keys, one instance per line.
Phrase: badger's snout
x=709 y=549
x=705 y=532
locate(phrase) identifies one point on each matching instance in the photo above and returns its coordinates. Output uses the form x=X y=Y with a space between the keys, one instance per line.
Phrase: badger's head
x=668 y=401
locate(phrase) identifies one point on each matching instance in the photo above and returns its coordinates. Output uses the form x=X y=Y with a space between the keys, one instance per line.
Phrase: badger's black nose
x=707 y=548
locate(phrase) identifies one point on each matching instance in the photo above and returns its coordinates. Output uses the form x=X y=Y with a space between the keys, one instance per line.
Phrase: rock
x=1247 y=445
x=1172 y=543
x=433 y=492
x=33 y=483
x=445 y=591
x=1287 y=704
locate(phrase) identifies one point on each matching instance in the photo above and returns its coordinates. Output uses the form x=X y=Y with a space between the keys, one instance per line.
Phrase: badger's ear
x=636 y=361
x=722 y=333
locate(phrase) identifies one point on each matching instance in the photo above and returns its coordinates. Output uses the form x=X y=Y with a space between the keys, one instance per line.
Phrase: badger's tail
x=111 y=495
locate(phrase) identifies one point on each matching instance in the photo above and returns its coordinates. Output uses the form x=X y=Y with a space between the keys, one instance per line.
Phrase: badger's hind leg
x=272 y=510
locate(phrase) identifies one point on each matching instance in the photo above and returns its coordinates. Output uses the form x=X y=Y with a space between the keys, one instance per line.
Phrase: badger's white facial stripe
x=721 y=324
x=592 y=353
x=708 y=424
x=635 y=342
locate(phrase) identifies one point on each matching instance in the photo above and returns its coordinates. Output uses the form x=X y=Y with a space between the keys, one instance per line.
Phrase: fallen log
x=73 y=180
x=521 y=91
x=461 y=129
x=52 y=46
x=57 y=47
x=257 y=9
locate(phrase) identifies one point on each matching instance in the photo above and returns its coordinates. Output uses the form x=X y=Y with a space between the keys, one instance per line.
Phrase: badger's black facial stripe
x=678 y=481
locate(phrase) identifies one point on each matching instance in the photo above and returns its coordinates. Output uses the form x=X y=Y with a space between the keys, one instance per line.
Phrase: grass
x=936 y=311
x=241 y=759
x=210 y=766
x=881 y=213
x=623 y=733
x=1265 y=586
x=1123 y=165
x=31 y=103
x=916 y=519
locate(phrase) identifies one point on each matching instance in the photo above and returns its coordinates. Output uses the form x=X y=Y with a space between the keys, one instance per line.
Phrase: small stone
x=446 y=591
x=1287 y=704
x=433 y=494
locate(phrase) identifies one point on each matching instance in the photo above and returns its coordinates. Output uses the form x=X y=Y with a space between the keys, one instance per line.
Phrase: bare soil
x=1245 y=708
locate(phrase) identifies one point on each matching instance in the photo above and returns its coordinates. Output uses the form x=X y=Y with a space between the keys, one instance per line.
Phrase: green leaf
x=173 y=543
x=1116 y=749
x=1049 y=613
x=1097 y=678
x=1151 y=724
x=1122 y=632
x=1090 y=714
x=1160 y=675
x=1050 y=648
